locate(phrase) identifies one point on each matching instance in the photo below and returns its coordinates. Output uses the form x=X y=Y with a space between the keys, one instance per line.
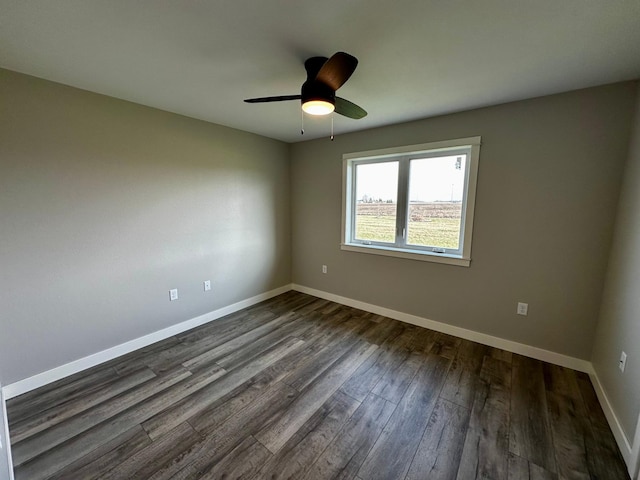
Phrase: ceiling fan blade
x=281 y=98
x=349 y=109
x=337 y=70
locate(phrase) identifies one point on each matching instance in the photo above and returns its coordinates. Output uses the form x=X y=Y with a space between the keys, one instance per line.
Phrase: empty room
x=319 y=240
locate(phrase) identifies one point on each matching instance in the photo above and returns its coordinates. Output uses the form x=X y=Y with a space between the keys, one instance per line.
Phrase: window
x=412 y=202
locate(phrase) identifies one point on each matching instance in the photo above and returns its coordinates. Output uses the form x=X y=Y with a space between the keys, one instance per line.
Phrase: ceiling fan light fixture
x=318 y=107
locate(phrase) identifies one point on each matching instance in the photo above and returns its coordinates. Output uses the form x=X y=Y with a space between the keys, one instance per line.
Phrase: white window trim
x=463 y=259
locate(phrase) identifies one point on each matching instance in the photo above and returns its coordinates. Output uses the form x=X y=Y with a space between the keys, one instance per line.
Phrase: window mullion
x=354 y=202
x=403 y=203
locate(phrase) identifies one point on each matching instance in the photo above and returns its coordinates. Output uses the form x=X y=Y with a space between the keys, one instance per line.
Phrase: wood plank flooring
x=298 y=387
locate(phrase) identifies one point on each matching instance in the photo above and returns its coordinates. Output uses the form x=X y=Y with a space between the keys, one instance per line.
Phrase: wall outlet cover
x=523 y=309
x=623 y=361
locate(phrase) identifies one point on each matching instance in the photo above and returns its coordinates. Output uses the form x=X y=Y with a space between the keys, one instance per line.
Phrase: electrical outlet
x=623 y=361
x=523 y=309
x=173 y=294
x=324 y=269
x=207 y=285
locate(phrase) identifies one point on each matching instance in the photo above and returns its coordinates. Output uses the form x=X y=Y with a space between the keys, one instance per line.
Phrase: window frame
x=403 y=155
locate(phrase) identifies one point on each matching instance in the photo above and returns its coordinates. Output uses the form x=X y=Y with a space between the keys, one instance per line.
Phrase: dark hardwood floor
x=299 y=387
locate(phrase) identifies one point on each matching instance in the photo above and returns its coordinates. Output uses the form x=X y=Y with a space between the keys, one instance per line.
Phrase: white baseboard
x=509 y=345
x=635 y=453
x=57 y=373
x=629 y=451
x=6 y=446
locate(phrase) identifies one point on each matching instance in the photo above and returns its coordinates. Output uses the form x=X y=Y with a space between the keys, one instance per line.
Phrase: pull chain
x=332 y=127
x=301 y=122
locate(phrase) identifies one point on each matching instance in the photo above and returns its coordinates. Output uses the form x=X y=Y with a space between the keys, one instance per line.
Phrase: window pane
x=436 y=187
x=376 y=201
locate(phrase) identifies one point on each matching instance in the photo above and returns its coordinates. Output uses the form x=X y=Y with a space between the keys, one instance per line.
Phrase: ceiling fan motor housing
x=314 y=90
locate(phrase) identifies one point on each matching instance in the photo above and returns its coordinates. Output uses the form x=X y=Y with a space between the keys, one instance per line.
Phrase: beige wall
x=105 y=205
x=550 y=170
x=619 y=325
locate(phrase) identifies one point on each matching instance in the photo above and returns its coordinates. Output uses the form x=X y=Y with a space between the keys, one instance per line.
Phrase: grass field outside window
x=433 y=224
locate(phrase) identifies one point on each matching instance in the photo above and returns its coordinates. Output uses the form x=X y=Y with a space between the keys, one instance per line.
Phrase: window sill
x=408 y=254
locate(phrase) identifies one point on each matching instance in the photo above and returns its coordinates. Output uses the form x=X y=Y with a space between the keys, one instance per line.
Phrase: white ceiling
x=418 y=58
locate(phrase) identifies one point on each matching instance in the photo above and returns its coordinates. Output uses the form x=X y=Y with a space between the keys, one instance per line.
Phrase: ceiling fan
x=318 y=93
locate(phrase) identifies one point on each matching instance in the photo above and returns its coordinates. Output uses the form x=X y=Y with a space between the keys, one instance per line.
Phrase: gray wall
x=619 y=325
x=105 y=205
x=549 y=176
